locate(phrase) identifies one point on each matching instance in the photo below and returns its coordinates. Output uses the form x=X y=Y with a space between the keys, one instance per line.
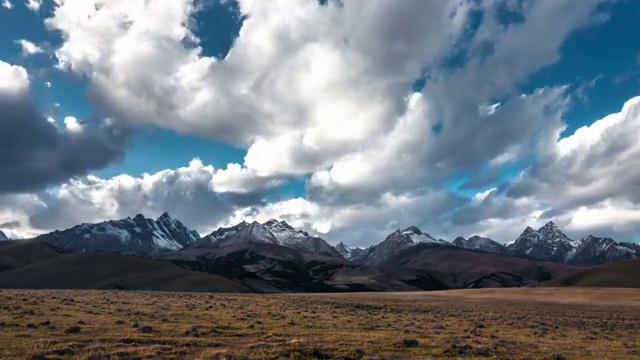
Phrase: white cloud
x=34 y=5
x=240 y=180
x=47 y=84
x=197 y=194
x=72 y=124
x=324 y=91
x=619 y=216
x=28 y=47
x=7 y=4
x=596 y=163
x=13 y=78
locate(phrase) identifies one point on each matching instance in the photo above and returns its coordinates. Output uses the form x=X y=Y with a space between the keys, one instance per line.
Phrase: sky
x=348 y=118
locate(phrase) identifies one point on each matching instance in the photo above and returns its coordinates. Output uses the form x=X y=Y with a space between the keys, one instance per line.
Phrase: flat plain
x=531 y=323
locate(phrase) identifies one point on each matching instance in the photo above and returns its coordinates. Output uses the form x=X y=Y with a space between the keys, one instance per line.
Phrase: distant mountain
x=550 y=243
x=481 y=244
x=272 y=232
x=130 y=235
x=395 y=243
x=593 y=250
x=354 y=254
x=3 y=236
x=546 y=243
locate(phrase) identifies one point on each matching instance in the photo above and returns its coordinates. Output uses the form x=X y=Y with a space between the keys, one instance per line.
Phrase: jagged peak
x=529 y=229
x=285 y=224
x=413 y=229
x=139 y=217
x=549 y=226
x=165 y=216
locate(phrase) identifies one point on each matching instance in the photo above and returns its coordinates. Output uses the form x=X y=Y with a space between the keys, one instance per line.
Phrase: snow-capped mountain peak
x=135 y=235
x=480 y=243
x=551 y=233
x=417 y=236
x=550 y=243
x=592 y=250
x=396 y=242
x=3 y=236
x=271 y=232
x=350 y=253
x=546 y=243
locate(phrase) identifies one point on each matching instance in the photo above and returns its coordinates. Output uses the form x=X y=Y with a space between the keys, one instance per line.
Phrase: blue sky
x=265 y=108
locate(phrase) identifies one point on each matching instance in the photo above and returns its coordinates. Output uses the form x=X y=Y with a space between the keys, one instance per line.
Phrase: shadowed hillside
x=624 y=274
x=461 y=268
x=19 y=253
x=113 y=271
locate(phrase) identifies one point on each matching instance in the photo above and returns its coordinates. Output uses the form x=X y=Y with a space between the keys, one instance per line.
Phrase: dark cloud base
x=34 y=154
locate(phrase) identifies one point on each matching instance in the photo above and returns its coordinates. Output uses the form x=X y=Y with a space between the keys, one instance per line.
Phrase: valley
x=469 y=324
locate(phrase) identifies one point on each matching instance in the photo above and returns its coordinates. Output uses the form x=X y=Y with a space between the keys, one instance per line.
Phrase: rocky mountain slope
x=272 y=232
x=266 y=267
x=3 y=236
x=354 y=254
x=130 y=235
x=546 y=243
x=593 y=250
x=460 y=268
x=550 y=243
x=395 y=243
x=481 y=244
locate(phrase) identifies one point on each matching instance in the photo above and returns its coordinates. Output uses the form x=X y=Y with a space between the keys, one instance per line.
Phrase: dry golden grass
x=144 y=325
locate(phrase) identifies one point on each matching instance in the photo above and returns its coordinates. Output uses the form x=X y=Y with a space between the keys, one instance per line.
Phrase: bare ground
x=532 y=323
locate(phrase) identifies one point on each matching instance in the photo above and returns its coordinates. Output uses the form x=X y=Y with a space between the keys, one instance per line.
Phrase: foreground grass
x=142 y=325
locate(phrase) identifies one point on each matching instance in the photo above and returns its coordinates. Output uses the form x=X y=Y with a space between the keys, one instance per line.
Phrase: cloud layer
x=34 y=153
x=328 y=93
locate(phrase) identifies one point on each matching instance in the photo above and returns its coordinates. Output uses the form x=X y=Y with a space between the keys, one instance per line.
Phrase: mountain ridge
x=147 y=236
x=129 y=235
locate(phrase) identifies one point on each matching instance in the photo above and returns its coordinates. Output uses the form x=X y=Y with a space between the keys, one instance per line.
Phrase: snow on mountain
x=349 y=253
x=481 y=244
x=546 y=243
x=130 y=235
x=550 y=243
x=3 y=236
x=271 y=232
x=593 y=250
x=395 y=243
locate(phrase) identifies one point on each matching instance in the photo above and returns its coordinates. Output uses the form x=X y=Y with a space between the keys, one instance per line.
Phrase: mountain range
x=137 y=235
x=275 y=257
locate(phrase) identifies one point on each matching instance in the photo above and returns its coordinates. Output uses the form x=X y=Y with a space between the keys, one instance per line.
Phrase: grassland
x=500 y=324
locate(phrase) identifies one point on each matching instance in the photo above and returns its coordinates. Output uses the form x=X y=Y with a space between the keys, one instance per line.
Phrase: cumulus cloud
x=7 y=4
x=28 y=47
x=13 y=79
x=34 y=153
x=598 y=162
x=241 y=180
x=333 y=101
x=33 y=5
x=188 y=193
